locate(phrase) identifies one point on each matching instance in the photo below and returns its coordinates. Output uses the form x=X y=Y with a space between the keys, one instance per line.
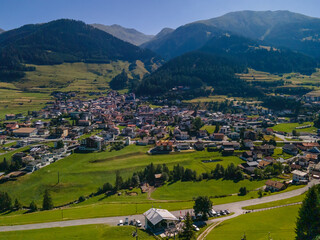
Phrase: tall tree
x=119 y=181
x=202 y=205
x=5 y=201
x=308 y=222
x=17 y=205
x=47 y=201
x=33 y=207
x=188 y=232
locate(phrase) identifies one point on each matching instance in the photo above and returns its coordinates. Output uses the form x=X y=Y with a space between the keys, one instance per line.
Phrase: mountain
x=280 y=28
x=126 y=34
x=301 y=36
x=254 y=24
x=65 y=40
x=1 y=30
x=258 y=55
x=195 y=74
x=184 y=39
x=163 y=32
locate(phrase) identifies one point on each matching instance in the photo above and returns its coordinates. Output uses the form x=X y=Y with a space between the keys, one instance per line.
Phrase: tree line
x=6 y=203
x=178 y=173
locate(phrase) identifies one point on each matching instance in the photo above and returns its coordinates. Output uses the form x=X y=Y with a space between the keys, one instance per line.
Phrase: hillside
x=126 y=34
x=65 y=40
x=302 y=36
x=162 y=33
x=184 y=39
x=1 y=30
x=254 y=24
x=257 y=55
x=279 y=28
x=195 y=74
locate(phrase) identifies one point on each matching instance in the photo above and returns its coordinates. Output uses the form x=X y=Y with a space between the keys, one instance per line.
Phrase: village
x=114 y=121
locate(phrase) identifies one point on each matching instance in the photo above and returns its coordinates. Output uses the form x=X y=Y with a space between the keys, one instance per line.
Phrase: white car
x=195 y=228
x=138 y=223
x=120 y=223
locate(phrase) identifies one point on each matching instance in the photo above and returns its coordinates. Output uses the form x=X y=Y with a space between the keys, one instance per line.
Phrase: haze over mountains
x=126 y=34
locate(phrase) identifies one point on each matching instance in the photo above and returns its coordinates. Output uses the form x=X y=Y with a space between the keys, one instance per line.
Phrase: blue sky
x=148 y=16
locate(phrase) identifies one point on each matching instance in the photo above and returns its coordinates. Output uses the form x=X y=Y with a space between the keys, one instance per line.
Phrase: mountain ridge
x=130 y=35
x=259 y=25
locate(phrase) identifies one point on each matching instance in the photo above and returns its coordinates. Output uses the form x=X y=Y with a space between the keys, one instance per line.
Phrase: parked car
x=138 y=223
x=222 y=213
x=120 y=223
x=126 y=221
x=195 y=228
x=227 y=211
x=131 y=222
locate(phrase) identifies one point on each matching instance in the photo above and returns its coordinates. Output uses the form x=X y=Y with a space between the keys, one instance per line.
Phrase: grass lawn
x=277 y=203
x=188 y=190
x=82 y=173
x=209 y=128
x=269 y=137
x=278 y=153
x=280 y=223
x=289 y=127
x=86 y=232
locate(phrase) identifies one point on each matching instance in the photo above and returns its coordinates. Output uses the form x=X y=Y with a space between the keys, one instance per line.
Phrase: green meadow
x=279 y=222
x=82 y=173
x=289 y=127
x=86 y=232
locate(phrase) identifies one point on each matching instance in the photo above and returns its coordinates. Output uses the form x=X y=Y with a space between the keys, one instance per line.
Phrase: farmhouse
x=25 y=132
x=274 y=186
x=158 y=220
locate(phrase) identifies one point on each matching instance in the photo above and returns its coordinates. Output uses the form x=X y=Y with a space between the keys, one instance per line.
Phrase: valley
x=210 y=130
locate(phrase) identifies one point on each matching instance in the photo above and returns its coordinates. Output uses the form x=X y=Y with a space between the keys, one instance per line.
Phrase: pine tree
x=188 y=232
x=17 y=205
x=47 y=201
x=308 y=222
x=5 y=201
x=33 y=207
x=119 y=182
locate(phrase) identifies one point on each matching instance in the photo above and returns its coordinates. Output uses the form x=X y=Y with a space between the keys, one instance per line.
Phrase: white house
x=299 y=176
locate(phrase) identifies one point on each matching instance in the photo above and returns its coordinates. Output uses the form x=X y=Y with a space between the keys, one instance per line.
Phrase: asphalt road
x=235 y=207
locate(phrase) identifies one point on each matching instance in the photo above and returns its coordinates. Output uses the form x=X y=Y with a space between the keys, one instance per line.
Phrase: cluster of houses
x=95 y=123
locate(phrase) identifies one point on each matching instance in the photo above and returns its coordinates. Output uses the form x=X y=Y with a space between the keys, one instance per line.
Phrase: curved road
x=235 y=207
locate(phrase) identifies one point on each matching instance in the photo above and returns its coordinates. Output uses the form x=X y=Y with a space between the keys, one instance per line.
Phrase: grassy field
x=101 y=206
x=278 y=153
x=289 y=127
x=12 y=100
x=82 y=173
x=209 y=128
x=277 y=203
x=189 y=190
x=86 y=232
x=75 y=76
x=280 y=223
